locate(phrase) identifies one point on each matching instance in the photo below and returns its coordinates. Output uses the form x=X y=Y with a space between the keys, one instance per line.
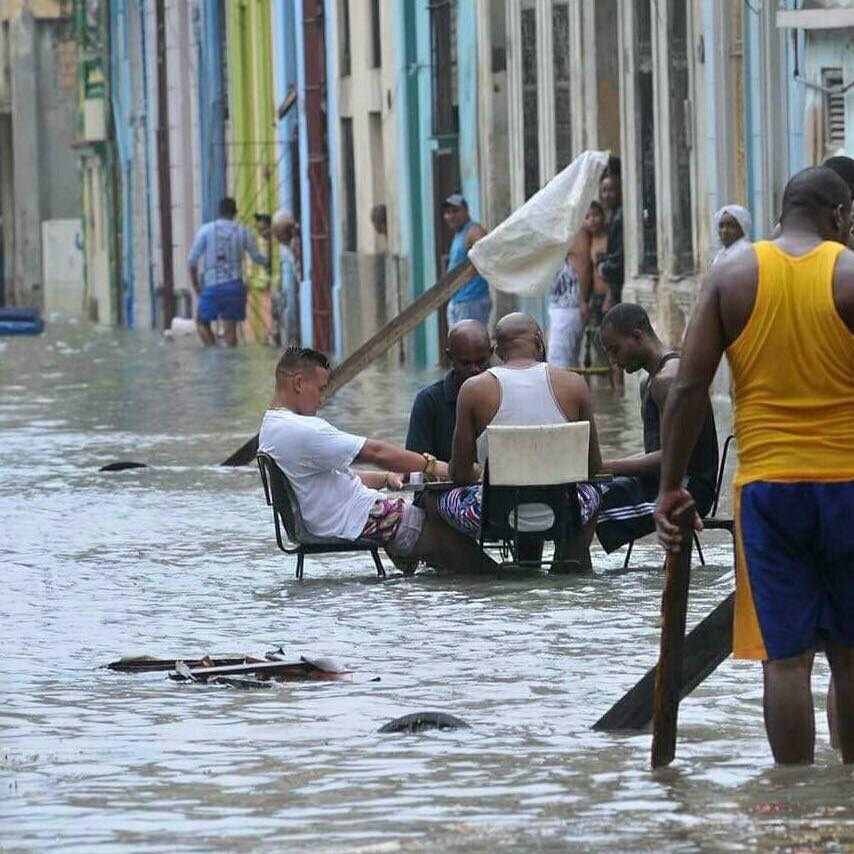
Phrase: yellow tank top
x=793 y=373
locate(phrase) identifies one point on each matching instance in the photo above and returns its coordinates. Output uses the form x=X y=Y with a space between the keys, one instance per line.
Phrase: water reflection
x=179 y=558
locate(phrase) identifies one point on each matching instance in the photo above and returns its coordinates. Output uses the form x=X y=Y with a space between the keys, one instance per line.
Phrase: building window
x=646 y=135
x=562 y=106
x=683 y=240
x=348 y=167
x=530 y=117
x=443 y=31
x=834 y=110
x=344 y=37
x=376 y=38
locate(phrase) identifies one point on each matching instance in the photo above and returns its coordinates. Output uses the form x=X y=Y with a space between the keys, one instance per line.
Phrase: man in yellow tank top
x=783 y=312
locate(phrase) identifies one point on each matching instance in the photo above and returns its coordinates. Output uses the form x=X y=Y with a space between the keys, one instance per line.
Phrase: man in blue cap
x=471 y=301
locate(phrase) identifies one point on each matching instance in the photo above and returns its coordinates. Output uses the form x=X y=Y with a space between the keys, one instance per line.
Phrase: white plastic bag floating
x=524 y=254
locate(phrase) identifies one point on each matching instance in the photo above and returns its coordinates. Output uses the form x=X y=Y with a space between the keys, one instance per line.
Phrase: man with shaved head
x=783 y=312
x=434 y=413
x=523 y=391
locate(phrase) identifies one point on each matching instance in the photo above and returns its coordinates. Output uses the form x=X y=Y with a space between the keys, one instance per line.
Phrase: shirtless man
x=783 y=311
x=524 y=390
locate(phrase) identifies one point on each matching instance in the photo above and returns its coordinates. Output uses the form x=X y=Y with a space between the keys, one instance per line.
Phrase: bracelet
x=429 y=465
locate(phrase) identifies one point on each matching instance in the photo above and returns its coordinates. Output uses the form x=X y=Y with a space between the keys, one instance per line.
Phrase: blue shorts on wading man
x=795 y=585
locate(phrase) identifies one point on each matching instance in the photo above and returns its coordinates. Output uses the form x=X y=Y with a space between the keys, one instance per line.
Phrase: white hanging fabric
x=524 y=253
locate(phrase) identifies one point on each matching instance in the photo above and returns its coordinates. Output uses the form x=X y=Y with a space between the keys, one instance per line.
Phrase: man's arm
x=585 y=411
x=686 y=406
x=196 y=251
x=645 y=465
x=391 y=457
x=475 y=232
x=253 y=250
x=420 y=436
x=464 y=454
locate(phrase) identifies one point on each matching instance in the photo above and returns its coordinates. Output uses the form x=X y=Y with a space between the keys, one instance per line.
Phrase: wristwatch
x=429 y=463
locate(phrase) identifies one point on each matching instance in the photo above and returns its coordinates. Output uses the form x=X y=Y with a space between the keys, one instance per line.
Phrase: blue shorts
x=795 y=576
x=226 y=300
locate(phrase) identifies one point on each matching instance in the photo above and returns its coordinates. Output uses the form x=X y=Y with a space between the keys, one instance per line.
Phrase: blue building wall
x=123 y=110
x=467 y=89
x=285 y=79
x=331 y=46
x=209 y=24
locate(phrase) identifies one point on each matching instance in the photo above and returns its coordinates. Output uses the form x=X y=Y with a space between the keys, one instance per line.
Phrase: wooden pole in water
x=668 y=674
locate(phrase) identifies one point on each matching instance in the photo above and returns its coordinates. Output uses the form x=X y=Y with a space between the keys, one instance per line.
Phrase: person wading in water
x=784 y=314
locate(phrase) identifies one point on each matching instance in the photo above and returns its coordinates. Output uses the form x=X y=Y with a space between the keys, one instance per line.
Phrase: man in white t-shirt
x=336 y=500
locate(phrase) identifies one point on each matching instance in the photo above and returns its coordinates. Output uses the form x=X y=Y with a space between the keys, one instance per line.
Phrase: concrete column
x=26 y=267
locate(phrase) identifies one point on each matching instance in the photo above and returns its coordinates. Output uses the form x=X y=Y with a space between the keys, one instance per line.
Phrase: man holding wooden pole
x=783 y=311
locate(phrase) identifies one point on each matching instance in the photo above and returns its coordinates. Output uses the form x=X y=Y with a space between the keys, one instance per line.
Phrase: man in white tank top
x=523 y=391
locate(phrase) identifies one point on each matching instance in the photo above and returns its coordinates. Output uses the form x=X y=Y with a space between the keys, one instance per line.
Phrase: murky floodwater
x=179 y=559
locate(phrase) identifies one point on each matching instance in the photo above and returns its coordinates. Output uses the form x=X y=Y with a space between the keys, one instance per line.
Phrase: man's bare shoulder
x=569 y=388
x=735 y=271
x=478 y=387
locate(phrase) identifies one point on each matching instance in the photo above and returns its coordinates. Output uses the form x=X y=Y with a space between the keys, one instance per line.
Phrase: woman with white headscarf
x=732 y=223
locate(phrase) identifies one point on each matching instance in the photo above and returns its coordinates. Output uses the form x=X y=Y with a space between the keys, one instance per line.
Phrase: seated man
x=524 y=391
x=434 y=413
x=629 y=500
x=335 y=500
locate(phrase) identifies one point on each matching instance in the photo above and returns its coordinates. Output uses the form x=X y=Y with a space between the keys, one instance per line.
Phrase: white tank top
x=526 y=399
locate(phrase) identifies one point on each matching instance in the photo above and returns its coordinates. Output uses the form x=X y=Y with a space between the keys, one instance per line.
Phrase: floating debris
x=121 y=466
x=421 y=721
x=148 y=664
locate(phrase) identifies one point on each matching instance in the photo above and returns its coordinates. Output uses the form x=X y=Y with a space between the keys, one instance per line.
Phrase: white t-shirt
x=316 y=459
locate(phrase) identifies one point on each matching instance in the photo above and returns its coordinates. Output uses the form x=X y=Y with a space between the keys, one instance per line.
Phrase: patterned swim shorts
x=384 y=520
x=460 y=507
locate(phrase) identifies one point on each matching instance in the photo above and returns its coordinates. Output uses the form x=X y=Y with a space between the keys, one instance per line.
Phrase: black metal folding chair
x=297 y=539
x=711 y=522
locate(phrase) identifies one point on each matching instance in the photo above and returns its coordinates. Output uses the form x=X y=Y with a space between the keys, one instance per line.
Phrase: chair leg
x=699 y=549
x=628 y=555
x=378 y=563
x=300 y=562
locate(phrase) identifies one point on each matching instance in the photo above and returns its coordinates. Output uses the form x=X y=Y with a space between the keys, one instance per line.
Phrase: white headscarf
x=742 y=217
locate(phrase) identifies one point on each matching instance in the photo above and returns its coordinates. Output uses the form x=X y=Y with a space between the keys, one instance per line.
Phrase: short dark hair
x=814 y=191
x=844 y=167
x=227 y=207
x=627 y=317
x=296 y=359
x=596 y=206
x=262 y=217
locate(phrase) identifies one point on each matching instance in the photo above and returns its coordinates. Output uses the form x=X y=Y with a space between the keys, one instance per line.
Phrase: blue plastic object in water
x=20 y=321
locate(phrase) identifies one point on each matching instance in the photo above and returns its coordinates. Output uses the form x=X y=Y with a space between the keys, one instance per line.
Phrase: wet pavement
x=179 y=558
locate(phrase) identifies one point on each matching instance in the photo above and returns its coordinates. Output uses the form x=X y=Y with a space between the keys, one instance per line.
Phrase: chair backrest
x=540 y=455
x=280 y=495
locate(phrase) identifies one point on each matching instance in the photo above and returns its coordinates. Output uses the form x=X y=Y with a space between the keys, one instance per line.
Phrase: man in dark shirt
x=629 y=500
x=434 y=413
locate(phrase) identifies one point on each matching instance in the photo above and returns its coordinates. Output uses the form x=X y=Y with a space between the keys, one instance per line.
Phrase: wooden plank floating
x=145 y=664
x=707 y=645
x=668 y=673
x=386 y=338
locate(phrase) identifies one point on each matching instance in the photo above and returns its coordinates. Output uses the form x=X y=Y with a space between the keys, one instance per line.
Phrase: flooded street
x=180 y=559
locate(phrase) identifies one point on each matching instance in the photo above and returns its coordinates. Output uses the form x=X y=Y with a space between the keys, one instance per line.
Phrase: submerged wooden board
x=707 y=645
x=262 y=669
x=387 y=337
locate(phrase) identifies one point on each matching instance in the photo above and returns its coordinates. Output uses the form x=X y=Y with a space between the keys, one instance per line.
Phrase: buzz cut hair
x=298 y=359
x=627 y=317
x=815 y=191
